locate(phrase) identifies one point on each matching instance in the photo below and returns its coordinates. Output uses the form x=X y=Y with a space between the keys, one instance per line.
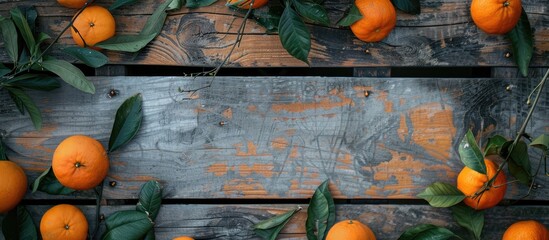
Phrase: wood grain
x=442 y=35
x=280 y=137
x=235 y=222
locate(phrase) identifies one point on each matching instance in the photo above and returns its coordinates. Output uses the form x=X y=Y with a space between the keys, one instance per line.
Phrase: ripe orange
x=183 y=238
x=13 y=185
x=378 y=19
x=95 y=24
x=245 y=4
x=350 y=230
x=64 y=221
x=72 y=3
x=496 y=16
x=80 y=162
x=526 y=230
x=470 y=182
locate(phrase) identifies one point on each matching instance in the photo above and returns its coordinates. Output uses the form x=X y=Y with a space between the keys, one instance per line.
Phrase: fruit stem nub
x=506 y=4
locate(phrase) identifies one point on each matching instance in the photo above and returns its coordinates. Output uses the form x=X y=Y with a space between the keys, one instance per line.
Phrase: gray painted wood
x=234 y=222
x=442 y=35
x=281 y=137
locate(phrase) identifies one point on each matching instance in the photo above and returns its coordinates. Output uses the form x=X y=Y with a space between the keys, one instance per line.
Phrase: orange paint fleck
x=144 y=178
x=266 y=170
x=322 y=103
x=252 y=108
x=248 y=187
x=294 y=152
x=218 y=169
x=329 y=115
x=251 y=150
x=346 y=159
x=279 y=143
x=402 y=101
x=227 y=113
x=388 y=106
x=362 y=91
x=402 y=131
x=433 y=128
x=290 y=132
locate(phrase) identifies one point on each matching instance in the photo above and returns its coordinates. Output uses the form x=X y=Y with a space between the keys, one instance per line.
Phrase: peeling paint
x=433 y=128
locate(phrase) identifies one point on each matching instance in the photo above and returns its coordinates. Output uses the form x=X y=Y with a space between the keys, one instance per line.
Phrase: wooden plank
x=442 y=35
x=236 y=221
x=280 y=137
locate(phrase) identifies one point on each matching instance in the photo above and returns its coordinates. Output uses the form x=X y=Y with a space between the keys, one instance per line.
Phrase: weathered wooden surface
x=234 y=222
x=442 y=35
x=281 y=137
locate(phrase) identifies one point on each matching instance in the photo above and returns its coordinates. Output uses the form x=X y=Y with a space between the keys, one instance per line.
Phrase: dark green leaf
x=351 y=17
x=469 y=218
x=120 y=3
x=127 y=122
x=126 y=43
x=23 y=26
x=35 y=81
x=519 y=164
x=18 y=225
x=3 y=150
x=48 y=183
x=270 y=228
x=41 y=38
x=156 y=21
x=175 y=4
x=268 y=17
x=522 y=43
x=9 y=34
x=541 y=142
x=22 y=98
x=4 y=70
x=150 y=235
x=88 y=56
x=199 y=3
x=407 y=6
x=150 y=198
x=312 y=11
x=18 y=103
x=70 y=74
x=427 y=232
x=493 y=147
x=320 y=213
x=470 y=153
x=442 y=195
x=129 y=224
x=31 y=15
x=294 y=35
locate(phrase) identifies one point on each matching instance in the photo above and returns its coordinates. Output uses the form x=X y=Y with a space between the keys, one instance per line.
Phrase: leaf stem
x=99 y=196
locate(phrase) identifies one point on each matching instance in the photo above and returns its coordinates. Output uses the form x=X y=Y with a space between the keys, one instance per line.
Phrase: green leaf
x=31 y=15
x=156 y=21
x=199 y=3
x=129 y=224
x=175 y=5
x=127 y=122
x=407 y=6
x=294 y=35
x=48 y=183
x=541 y=142
x=519 y=164
x=24 y=101
x=9 y=35
x=88 y=56
x=18 y=224
x=270 y=228
x=320 y=214
x=126 y=43
x=352 y=16
x=268 y=17
x=312 y=11
x=470 y=153
x=70 y=74
x=470 y=219
x=23 y=26
x=427 y=232
x=150 y=199
x=442 y=195
x=35 y=81
x=150 y=235
x=4 y=70
x=522 y=43
x=120 y=3
x=3 y=155
x=493 y=147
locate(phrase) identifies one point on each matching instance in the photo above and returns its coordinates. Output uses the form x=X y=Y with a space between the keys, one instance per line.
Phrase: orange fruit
x=80 y=162
x=72 y=3
x=245 y=4
x=378 y=19
x=470 y=182
x=526 y=230
x=64 y=221
x=95 y=24
x=13 y=185
x=350 y=230
x=183 y=238
x=496 y=16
